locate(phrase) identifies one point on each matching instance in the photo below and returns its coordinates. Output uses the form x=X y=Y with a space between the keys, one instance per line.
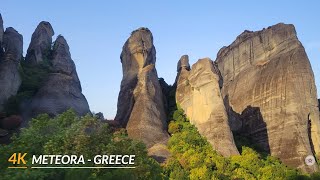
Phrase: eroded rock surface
x=40 y=44
x=198 y=94
x=267 y=78
x=62 y=90
x=140 y=103
x=11 y=54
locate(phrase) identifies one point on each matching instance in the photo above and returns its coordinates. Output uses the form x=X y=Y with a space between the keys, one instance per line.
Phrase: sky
x=97 y=29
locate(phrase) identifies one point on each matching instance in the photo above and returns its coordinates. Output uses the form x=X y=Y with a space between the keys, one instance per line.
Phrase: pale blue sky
x=96 y=31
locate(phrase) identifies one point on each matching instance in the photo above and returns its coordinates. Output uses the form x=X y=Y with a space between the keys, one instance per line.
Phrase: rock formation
x=140 y=103
x=11 y=54
x=1 y=34
x=62 y=90
x=198 y=94
x=268 y=80
x=40 y=44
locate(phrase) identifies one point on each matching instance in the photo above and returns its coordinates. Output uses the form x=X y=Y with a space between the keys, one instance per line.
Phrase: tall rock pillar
x=140 y=103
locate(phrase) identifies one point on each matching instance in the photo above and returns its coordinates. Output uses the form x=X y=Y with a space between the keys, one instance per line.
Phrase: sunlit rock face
x=268 y=81
x=198 y=94
x=10 y=55
x=140 y=103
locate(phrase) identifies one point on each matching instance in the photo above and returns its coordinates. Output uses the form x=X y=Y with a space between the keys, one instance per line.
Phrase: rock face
x=11 y=54
x=62 y=90
x=40 y=44
x=268 y=80
x=140 y=103
x=198 y=94
x=1 y=33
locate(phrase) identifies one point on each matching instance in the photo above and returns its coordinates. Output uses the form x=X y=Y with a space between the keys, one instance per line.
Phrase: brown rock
x=140 y=104
x=40 y=44
x=267 y=78
x=12 y=122
x=198 y=94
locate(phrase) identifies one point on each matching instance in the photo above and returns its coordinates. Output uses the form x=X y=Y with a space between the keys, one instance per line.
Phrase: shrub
x=194 y=158
x=69 y=134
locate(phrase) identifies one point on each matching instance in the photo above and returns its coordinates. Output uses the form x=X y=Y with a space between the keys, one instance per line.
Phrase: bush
x=69 y=134
x=194 y=158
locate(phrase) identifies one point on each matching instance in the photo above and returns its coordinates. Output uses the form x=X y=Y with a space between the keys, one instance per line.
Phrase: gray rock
x=198 y=94
x=140 y=103
x=268 y=80
x=62 y=90
x=40 y=44
x=12 y=44
x=10 y=79
x=1 y=32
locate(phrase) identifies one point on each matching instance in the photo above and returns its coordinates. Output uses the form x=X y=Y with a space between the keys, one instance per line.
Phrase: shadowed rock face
x=40 y=43
x=62 y=90
x=1 y=33
x=140 y=103
x=270 y=71
x=198 y=93
x=11 y=53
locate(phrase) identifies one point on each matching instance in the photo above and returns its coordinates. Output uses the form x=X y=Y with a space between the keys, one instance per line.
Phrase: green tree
x=87 y=136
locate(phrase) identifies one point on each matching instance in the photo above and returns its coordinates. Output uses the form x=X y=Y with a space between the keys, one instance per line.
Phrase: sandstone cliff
x=40 y=44
x=140 y=103
x=268 y=81
x=62 y=90
x=198 y=94
x=10 y=55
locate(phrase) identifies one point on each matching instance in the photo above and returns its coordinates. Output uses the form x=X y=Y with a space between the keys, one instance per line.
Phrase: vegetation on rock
x=33 y=76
